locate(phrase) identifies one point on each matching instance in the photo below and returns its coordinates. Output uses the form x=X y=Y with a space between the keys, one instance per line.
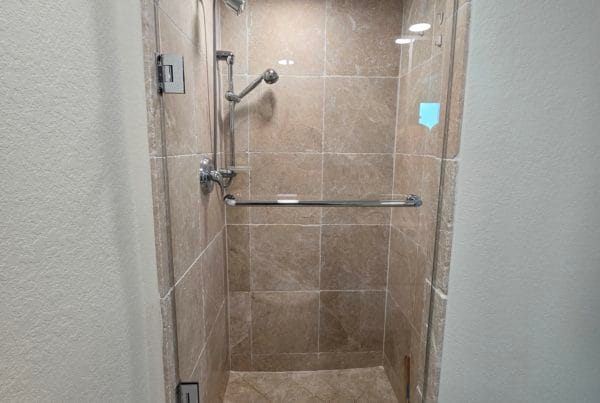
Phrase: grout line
x=197 y=259
x=439 y=292
x=249 y=184
x=421 y=155
x=313 y=353
x=227 y=289
x=315 y=153
x=322 y=210
x=387 y=284
x=175 y=24
x=409 y=320
x=314 y=291
x=314 y=225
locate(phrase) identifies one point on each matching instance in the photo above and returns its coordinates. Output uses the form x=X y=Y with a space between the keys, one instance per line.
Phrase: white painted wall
x=79 y=313
x=523 y=320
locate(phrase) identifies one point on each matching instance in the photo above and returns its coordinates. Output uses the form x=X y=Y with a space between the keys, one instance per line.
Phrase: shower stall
x=303 y=224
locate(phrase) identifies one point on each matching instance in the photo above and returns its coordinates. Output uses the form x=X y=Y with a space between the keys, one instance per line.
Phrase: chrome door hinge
x=171 y=77
x=188 y=393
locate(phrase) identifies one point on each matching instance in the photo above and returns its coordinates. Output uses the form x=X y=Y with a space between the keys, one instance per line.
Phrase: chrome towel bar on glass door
x=409 y=201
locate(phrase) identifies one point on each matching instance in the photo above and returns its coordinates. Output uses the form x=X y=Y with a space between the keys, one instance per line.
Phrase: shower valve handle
x=209 y=175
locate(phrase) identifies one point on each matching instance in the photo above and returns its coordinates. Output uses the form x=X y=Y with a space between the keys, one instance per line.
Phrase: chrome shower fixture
x=236 y=5
x=270 y=76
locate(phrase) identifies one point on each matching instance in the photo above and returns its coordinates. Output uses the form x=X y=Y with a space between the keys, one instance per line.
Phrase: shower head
x=270 y=76
x=236 y=5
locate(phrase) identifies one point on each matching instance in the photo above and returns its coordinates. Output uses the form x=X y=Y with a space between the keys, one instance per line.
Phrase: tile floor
x=349 y=385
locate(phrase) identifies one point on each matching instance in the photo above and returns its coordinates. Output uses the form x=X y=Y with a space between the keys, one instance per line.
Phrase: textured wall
x=78 y=293
x=190 y=226
x=523 y=320
x=307 y=286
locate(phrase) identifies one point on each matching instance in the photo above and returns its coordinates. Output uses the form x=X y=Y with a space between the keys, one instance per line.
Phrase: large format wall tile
x=350 y=359
x=357 y=176
x=407 y=180
x=292 y=215
x=287 y=30
x=169 y=346
x=214 y=280
x=190 y=320
x=421 y=86
x=397 y=347
x=420 y=51
x=417 y=361
x=183 y=13
x=161 y=225
x=285 y=258
x=289 y=174
x=201 y=67
x=288 y=116
x=361 y=35
x=436 y=340
x=360 y=114
x=404 y=263
x=285 y=362
x=238 y=257
x=458 y=80
x=351 y=320
x=184 y=196
x=179 y=109
x=212 y=371
x=316 y=361
x=234 y=37
x=286 y=215
x=354 y=257
x=150 y=43
x=284 y=322
x=430 y=188
x=239 y=330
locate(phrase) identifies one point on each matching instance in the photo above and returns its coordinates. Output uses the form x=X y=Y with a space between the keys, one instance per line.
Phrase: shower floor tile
x=349 y=385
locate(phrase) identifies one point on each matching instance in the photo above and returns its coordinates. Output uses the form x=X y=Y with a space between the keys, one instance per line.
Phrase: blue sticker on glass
x=429 y=114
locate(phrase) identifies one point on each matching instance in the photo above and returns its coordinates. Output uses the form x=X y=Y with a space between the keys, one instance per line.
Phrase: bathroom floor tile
x=348 y=385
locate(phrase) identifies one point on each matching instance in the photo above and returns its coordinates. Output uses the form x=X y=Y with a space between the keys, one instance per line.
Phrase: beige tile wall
x=332 y=288
x=189 y=226
x=307 y=286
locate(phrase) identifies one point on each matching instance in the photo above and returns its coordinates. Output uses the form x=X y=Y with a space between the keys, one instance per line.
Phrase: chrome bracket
x=170 y=74
x=188 y=392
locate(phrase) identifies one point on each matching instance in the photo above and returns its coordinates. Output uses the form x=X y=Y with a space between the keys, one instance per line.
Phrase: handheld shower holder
x=209 y=173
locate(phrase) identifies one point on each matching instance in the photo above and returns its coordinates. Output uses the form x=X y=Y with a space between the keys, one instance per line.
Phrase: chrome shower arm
x=270 y=76
x=249 y=88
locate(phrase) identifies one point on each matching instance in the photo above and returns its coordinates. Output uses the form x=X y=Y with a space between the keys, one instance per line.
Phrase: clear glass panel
x=358 y=112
